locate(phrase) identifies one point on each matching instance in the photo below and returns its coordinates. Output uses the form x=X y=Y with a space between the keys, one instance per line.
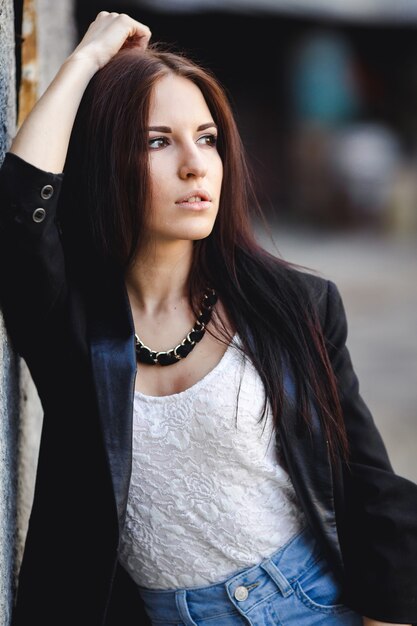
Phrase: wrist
x=81 y=63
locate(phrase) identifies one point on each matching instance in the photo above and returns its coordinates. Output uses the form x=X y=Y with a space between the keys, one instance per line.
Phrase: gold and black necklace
x=183 y=349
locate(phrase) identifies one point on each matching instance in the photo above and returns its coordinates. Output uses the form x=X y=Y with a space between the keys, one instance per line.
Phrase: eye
x=208 y=140
x=157 y=142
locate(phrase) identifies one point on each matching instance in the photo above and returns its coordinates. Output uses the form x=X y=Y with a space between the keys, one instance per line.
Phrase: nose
x=192 y=163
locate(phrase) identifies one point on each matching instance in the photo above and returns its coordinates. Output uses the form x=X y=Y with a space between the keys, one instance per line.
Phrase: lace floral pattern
x=207 y=495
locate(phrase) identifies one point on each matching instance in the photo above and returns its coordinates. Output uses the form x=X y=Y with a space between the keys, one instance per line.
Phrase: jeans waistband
x=247 y=586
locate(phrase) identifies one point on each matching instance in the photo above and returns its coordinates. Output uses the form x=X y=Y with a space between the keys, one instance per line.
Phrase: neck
x=158 y=278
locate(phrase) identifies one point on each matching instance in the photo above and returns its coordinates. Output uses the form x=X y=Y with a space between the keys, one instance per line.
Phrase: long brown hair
x=107 y=175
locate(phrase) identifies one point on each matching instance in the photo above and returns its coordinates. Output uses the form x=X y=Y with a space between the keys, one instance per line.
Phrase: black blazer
x=77 y=338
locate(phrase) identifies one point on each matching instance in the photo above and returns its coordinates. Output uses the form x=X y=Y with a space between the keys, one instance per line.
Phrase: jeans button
x=241 y=593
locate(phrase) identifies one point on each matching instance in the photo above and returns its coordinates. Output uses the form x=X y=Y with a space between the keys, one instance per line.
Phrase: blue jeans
x=294 y=587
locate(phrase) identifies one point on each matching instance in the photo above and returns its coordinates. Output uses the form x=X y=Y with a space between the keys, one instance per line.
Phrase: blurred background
x=325 y=96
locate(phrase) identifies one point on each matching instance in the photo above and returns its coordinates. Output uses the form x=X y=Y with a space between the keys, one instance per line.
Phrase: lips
x=196 y=195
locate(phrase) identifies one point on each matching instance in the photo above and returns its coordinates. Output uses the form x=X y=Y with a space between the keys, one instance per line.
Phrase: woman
x=238 y=478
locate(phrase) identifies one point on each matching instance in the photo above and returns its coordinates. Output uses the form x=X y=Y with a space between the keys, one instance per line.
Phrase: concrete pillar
x=9 y=378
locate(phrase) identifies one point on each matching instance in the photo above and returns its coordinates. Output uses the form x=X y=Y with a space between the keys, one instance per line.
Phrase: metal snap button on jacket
x=39 y=215
x=47 y=192
x=241 y=593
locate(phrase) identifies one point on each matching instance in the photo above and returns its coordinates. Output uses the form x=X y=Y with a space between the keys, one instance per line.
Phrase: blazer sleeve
x=378 y=526
x=32 y=268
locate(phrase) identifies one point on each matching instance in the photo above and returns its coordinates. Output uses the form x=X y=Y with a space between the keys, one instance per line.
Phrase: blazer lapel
x=307 y=456
x=114 y=369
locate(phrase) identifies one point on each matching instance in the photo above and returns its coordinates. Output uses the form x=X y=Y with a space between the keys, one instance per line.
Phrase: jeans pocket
x=319 y=590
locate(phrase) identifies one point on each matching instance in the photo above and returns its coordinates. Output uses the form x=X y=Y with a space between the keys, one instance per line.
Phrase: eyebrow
x=167 y=129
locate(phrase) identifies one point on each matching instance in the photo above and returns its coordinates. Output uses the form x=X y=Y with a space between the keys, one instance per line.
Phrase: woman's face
x=185 y=167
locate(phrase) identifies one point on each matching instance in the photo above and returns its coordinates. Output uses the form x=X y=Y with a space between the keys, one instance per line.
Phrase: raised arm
x=33 y=272
x=44 y=136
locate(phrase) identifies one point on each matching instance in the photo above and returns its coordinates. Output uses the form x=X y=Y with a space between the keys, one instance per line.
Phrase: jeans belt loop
x=278 y=577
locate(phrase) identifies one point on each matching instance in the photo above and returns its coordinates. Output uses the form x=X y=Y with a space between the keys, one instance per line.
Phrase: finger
x=138 y=32
x=136 y=28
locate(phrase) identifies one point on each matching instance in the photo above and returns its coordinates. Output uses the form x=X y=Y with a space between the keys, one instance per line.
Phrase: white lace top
x=207 y=494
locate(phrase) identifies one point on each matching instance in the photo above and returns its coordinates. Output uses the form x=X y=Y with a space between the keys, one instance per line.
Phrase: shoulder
x=315 y=286
x=321 y=297
x=298 y=290
x=319 y=294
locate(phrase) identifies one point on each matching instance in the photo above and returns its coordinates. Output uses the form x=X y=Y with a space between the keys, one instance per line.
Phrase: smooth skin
x=157 y=282
x=184 y=162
